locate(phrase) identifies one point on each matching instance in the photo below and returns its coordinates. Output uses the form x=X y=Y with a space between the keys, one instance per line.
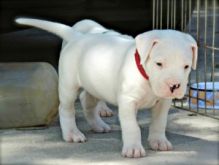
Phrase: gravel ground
x=194 y=137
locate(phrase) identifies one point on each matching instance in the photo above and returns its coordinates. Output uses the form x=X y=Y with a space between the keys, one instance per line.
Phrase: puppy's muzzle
x=173 y=87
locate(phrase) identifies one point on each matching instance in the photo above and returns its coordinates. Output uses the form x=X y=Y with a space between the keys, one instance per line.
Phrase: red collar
x=139 y=66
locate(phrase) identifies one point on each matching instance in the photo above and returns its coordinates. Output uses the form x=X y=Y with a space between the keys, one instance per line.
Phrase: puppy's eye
x=159 y=64
x=186 y=66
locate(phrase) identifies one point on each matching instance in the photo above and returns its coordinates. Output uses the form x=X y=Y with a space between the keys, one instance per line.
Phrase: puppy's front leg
x=131 y=133
x=157 y=138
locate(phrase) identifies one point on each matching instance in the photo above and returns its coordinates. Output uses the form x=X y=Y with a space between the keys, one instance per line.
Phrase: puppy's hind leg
x=89 y=104
x=68 y=90
x=70 y=132
x=103 y=109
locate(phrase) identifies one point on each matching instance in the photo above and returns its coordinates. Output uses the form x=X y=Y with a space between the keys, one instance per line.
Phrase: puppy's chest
x=147 y=101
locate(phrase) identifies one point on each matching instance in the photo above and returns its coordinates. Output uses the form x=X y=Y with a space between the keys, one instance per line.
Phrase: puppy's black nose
x=174 y=87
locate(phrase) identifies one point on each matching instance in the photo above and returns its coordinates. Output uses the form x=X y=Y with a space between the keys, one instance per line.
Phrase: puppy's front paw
x=161 y=144
x=133 y=151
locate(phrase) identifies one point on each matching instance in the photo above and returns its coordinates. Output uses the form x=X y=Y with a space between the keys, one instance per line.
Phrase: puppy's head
x=167 y=57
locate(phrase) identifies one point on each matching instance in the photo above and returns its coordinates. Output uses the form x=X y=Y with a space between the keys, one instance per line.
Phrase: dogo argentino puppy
x=147 y=71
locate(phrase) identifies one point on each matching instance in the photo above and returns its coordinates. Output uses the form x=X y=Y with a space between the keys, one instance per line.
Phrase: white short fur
x=102 y=62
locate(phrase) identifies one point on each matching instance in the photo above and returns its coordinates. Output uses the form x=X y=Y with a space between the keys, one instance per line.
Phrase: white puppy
x=148 y=71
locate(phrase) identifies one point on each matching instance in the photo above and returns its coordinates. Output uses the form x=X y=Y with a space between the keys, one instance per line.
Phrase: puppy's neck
x=139 y=66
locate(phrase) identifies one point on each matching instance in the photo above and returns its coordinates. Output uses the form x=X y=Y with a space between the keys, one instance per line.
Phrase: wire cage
x=200 y=18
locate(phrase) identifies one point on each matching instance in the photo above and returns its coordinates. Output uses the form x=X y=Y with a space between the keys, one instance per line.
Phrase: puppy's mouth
x=168 y=94
x=177 y=95
x=172 y=97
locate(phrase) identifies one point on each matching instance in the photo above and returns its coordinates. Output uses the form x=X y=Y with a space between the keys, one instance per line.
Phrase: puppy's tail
x=63 y=31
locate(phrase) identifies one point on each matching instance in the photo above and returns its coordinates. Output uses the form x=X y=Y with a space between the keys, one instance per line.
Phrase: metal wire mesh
x=199 y=18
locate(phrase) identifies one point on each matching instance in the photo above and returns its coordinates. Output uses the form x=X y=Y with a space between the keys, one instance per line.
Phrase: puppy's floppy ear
x=194 y=49
x=145 y=42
